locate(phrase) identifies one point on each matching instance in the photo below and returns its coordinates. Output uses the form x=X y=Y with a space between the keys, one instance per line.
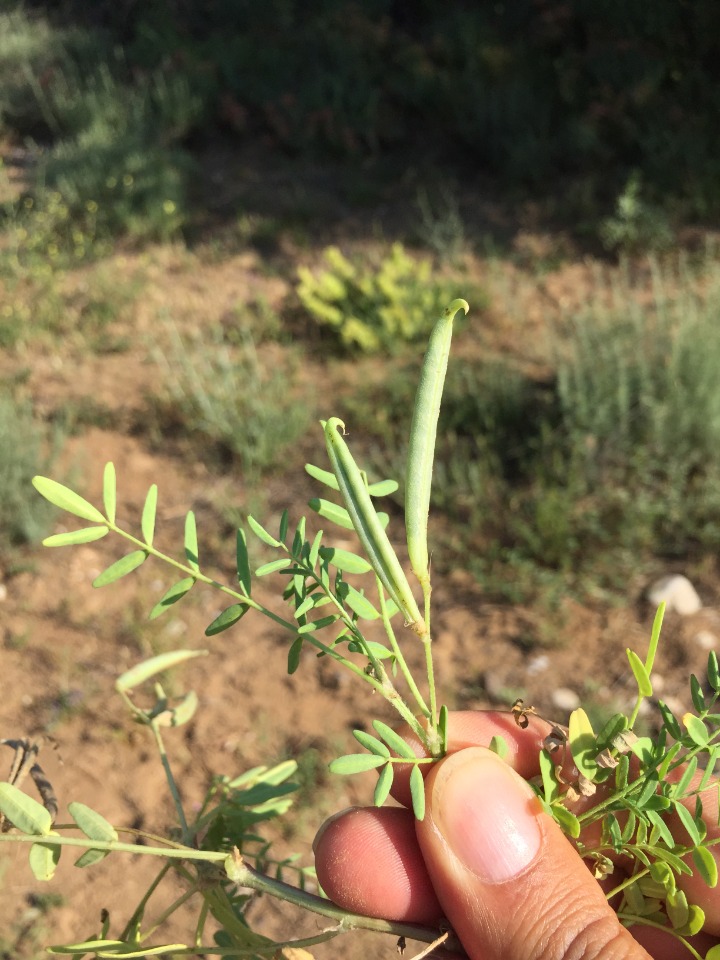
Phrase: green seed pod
x=422 y=441
x=368 y=525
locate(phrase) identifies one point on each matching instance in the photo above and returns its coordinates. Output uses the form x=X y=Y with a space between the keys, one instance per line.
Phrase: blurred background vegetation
x=601 y=455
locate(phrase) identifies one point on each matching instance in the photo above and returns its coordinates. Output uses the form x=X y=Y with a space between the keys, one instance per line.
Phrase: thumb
x=510 y=883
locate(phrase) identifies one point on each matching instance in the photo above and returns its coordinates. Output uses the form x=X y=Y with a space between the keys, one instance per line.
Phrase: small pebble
x=3 y=592
x=677 y=592
x=563 y=698
x=658 y=682
x=538 y=664
x=705 y=639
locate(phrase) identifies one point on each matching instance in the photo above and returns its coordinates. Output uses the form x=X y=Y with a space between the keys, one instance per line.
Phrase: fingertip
x=368 y=861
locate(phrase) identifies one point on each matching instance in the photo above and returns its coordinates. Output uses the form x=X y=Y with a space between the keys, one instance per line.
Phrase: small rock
x=563 y=698
x=658 y=682
x=538 y=664
x=3 y=592
x=706 y=639
x=677 y=592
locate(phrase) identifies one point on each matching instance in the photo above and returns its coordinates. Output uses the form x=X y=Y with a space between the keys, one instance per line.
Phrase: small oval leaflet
x=243 y=561
x=176 y=592
x=360 y=605
x=417 y=792
x=227 y=618
x=355 y=763
x=706 y=864
x=262 y=534
x=121 y=568
x=394 y=740
x=699 y=733
x=191 y=541
x=273 y=566
x=109 y=491
x=383 y=785
x=147 y=522
x=65 y=498
x=23 y=812
x=73 y=537
x=324 y=476
x=44 y=858
x=383 y=488
x=294 y=654
x=331 y=511
x=371 y=743
x=92 y=824
x=640 y=673
x=90 y=857
x=149 y=668
x=344 y=560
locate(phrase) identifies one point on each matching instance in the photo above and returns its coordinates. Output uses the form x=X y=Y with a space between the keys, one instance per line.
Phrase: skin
x=380 y=862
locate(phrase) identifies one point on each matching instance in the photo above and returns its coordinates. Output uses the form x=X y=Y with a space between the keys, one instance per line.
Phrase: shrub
x=25 y=447
x=225 y=396
x=373 y=309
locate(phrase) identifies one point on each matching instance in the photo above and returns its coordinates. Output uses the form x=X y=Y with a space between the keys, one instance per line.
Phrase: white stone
x=658 y=682
x=563 y=698
x=677 y=592
x=538 y=664
x=3 y=592
x=706 y=639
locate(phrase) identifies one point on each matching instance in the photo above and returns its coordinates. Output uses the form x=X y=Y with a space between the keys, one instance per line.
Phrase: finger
x=510 y=883
x=368 y=861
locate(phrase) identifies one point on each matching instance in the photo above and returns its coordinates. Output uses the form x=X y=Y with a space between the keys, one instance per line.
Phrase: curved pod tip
x=452 y=308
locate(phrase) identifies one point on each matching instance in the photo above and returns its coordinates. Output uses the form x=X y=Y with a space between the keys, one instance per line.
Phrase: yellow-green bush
x=374 y=308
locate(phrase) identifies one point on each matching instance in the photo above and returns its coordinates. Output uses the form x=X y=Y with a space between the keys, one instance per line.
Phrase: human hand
x=488 y=859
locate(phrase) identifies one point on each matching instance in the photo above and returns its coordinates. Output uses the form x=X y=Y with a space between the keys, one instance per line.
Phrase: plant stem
x=633 y=918
x=404 y=669
x=168 y=911
x=173 y=852
x=244 y=875
x=174 y=792
x=138 y=912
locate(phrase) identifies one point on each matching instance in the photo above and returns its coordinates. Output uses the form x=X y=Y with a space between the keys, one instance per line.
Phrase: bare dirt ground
x=63 y=644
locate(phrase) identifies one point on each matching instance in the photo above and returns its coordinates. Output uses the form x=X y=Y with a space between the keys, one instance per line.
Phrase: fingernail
x=487 y=814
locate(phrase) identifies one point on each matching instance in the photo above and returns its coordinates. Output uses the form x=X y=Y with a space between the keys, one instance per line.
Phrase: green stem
x=202 y=920
x=175 y=853
x=631 y=918
x=139 y=911
x=175 y=905
x=395 y=646
x=244 y=875
x=174 y=792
